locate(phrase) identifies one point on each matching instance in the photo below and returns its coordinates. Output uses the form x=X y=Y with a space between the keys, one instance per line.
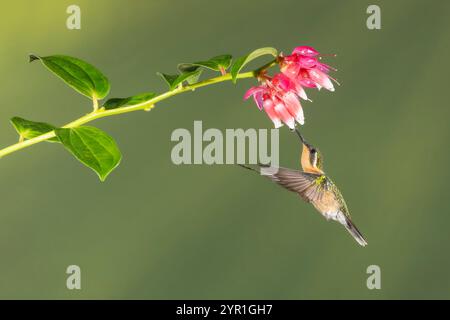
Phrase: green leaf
x=30 y=129
x=78 y=74
x=242 y=61
x=93 y=147
x=130 y=101
x=174 y=80
x=169 y=79
x=193 y=76
x=217 y=63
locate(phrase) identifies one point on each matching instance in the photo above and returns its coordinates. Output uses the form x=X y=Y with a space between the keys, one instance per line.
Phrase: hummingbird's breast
x=327 y=202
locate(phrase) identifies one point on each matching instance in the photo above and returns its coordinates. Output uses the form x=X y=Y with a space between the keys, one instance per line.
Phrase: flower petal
x=284 y=114
x=294 y=107
x=324 y=67
x=307 y=62
x=283 y=83
x=290 y=66
x=321 y=79
x=306 y=51
x=253 y=91
x=271 y=113
x=301 y=92
x=258 y=97
x=308 y=83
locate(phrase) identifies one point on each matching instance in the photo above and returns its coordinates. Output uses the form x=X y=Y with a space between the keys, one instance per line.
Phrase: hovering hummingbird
x=313 y=186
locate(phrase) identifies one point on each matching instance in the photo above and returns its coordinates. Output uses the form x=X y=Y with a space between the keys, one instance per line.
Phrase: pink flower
x=304 y=69
x=278 y=98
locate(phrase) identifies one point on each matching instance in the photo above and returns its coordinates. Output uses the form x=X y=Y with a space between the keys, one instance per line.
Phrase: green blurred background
x=154 y=230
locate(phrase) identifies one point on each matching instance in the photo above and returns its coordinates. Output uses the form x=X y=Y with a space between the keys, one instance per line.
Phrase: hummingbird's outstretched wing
x=311 y=187
x=308 y=185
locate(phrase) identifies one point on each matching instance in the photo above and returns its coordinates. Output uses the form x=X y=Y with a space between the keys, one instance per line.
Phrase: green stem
x=102 y=113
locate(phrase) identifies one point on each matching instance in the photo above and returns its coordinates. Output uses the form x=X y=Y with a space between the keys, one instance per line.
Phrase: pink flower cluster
x=278 y=95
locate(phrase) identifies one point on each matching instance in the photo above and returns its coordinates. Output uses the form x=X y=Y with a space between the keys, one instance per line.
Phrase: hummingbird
x=314 y=186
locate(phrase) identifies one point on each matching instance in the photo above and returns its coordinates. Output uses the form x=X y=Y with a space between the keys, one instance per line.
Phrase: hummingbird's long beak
x=301 y=137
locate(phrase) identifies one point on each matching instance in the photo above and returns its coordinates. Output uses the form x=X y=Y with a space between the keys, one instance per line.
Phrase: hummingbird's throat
x=305 y=161
x=312 y=169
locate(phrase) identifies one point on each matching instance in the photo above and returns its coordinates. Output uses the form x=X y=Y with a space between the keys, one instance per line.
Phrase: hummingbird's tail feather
x=351 y=228
x=249 y=168
x=260 y=168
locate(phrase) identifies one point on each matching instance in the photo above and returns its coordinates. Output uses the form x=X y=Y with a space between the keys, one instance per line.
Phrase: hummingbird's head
x=311 y=159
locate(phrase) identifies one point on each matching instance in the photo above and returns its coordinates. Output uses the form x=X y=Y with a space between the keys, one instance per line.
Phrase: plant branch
x=102 y=113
